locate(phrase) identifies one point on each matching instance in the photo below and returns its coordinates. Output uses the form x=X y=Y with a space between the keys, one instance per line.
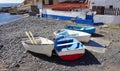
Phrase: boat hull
x=68 y=48
x=71 y=54
x=84 y=39
x=42 y=48
x=87 y=29
x=71 y=57
x=81 y=36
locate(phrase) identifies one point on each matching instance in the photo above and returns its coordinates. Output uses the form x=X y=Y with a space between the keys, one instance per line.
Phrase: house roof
x=67 y=5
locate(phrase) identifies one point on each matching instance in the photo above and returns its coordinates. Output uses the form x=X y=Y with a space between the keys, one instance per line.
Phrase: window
x=111 y=6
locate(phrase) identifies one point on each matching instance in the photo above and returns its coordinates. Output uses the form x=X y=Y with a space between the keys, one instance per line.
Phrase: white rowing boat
x=38 y=44
x=44 y=46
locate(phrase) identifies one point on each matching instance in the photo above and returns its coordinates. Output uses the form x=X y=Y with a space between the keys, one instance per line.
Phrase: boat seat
x=62 y=41
x=67 y=44
x=73 y=47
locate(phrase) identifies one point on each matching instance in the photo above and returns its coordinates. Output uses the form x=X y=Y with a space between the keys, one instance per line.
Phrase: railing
x=112 y=11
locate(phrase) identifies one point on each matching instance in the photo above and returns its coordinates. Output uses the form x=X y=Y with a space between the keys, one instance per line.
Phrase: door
x=45 y=2
x=50 y=2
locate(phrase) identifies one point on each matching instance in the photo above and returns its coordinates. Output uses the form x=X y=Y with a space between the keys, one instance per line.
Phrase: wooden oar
x=32 y=42
x=35 y=42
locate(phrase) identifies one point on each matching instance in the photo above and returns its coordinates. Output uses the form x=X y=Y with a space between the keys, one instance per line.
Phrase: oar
x=35 y=42
x=29 y=37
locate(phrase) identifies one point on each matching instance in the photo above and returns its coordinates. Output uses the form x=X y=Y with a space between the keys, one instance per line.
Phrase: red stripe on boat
x=71 y=57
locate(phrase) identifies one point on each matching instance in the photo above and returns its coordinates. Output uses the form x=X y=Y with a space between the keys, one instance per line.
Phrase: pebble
x=14 y=33
x=17 y=65
x=1 y=46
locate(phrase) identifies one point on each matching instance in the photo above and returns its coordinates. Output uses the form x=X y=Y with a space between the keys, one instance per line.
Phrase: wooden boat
x=43 y=46
x=69 y=48
x=87 y=29
x=81 y=36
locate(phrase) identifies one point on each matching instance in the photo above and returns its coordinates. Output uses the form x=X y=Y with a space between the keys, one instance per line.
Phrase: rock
x=118 y=51
x=6 y=66
x=103 y=32
x=14 y=65
x=104 y=26
x=17 y=65
x=1 y=46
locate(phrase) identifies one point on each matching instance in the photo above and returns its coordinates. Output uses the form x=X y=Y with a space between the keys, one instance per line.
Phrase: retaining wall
x=107 y=19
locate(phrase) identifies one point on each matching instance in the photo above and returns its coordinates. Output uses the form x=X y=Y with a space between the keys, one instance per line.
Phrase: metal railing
x=112 y=11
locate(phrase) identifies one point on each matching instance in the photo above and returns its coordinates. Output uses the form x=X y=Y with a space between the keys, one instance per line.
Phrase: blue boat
x=68 y=48
x=87 y=29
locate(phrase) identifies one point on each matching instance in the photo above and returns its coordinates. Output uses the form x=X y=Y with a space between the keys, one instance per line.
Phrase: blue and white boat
x=68 y=48
x=87 y=29
x=81 y=36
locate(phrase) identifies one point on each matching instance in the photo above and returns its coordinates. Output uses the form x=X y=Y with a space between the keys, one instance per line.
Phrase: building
x=111 y=11
x=106 y=3
x=107 y=11
x=75 y=10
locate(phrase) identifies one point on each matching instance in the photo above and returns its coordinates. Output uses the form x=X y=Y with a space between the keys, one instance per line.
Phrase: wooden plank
x=66 y=44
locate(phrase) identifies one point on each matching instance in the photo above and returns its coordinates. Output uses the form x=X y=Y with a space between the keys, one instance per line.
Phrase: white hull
x=44 y=47
x=81 y=36
x=81 y=13
x=71 y=52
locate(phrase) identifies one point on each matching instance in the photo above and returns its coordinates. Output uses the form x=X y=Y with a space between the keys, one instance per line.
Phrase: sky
x=11 y=1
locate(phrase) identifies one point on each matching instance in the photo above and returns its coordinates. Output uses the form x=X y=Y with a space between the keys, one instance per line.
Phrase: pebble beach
x=14 y=58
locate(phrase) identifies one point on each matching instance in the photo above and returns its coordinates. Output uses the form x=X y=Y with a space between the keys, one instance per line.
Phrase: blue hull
x=57 y=17
x=88 y=20
x=87 y=29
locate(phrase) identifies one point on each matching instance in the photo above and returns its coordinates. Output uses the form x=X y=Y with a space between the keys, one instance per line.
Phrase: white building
x=111 y=18
x=105 y=18
x=106 y=3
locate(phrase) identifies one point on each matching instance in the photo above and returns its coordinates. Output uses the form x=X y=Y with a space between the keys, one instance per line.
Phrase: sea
x=8 y=4
x=6 y=17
